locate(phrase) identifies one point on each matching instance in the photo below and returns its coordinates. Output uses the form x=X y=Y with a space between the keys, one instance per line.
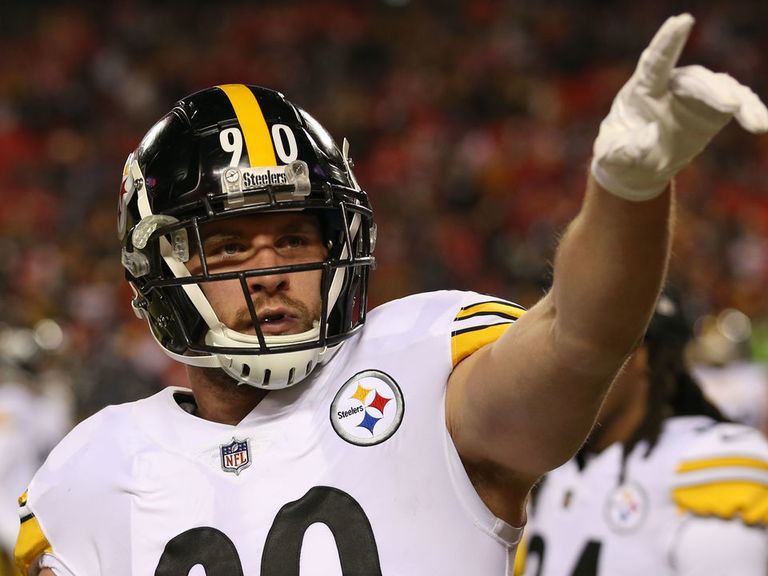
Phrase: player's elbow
x=594 y=355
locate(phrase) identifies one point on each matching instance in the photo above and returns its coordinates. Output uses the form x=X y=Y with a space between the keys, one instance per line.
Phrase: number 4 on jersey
x=585 y=566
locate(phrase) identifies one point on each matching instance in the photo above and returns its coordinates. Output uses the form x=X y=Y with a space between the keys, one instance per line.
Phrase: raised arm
x=524 y=404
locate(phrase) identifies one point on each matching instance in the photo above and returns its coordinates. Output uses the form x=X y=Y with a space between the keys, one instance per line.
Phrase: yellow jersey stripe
x=494 y=307
x=258 y=140
x=739 y=461
x=30 y=544
x=737 y=499
x=521 y=556
x=466 y=342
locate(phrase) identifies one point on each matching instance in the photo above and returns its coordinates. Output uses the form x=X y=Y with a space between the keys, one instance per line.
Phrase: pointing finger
x=662 y=54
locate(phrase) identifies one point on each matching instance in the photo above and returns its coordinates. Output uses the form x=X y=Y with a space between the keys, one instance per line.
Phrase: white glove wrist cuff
x=615 y=186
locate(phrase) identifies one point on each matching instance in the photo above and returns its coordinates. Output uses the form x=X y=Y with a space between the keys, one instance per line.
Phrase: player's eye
x=292 y=241
x=229 y=249
x=225 y=249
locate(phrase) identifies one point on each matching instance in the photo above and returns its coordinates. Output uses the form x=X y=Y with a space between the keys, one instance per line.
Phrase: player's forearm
x=609 y=268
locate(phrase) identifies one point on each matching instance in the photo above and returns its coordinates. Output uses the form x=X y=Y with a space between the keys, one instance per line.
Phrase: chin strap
x=267 y=371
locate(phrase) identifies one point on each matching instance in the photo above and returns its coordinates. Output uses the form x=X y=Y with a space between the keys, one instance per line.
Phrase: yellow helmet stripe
x=258 y=140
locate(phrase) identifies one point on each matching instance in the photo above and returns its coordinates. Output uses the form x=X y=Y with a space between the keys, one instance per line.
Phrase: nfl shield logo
x=235 y=456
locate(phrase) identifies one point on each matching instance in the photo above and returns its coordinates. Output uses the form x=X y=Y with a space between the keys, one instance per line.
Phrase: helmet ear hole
x=372 y=235
x=353 y=303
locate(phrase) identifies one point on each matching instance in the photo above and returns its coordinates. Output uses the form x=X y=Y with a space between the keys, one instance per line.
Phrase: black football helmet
x=669 y=323
x=230 y=151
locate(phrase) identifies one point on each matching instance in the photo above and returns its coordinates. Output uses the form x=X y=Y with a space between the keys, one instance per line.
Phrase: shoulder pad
x=724 y=473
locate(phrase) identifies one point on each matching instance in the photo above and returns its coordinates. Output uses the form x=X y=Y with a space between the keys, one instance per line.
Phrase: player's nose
x=268 y=258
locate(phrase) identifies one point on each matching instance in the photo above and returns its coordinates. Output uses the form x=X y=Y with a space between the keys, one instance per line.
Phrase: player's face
x=626 y=403
x=285 y=303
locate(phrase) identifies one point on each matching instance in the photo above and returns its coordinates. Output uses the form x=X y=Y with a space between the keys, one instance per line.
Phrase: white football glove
x=664 y=116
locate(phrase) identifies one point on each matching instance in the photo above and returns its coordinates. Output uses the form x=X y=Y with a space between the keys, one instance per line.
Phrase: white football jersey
x=350 y=472
x=700 y=494
x=739 y=389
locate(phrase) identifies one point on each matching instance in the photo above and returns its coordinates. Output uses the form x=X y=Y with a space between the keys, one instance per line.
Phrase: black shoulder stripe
x=489 y=313
x=477 y=328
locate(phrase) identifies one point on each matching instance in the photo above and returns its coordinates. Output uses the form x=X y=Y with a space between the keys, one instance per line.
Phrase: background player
x=665 y=483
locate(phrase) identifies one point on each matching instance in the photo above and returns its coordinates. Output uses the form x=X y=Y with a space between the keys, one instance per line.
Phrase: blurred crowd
x=470 y=122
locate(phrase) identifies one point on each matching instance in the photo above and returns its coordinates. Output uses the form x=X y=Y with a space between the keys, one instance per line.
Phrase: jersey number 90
x=341 y=513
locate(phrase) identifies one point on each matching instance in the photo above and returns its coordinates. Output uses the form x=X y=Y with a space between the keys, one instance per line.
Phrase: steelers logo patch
x=368 y=409
x=626 y=508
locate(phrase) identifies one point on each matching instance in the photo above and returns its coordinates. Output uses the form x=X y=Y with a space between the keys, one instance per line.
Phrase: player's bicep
x=524 y=401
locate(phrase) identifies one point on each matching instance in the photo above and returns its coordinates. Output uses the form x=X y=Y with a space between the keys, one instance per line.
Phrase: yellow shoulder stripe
x=30 y=544
x=466 y=342
x=740 y=461
x=258 y=140
x=494 y=307
x=738 y=499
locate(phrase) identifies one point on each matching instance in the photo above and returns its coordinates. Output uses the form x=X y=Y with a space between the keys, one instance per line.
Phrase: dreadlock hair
x=672 y=391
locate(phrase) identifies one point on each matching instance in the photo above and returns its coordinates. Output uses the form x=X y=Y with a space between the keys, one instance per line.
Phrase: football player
x=664 y=485
x=36 y=411
x=316 y=437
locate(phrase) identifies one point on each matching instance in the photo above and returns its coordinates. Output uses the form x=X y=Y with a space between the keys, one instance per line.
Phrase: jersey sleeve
x=33 y=552
x=724 y=474
x=31 y=542
x=719 y=547
x=77 y=494
x=480 y=321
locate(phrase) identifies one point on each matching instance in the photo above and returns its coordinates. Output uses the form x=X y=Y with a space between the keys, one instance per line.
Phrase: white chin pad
x=268 y=371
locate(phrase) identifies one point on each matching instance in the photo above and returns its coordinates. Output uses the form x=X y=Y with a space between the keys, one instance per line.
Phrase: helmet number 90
x=283 y=139
x=231 y=141
x=285 y=143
